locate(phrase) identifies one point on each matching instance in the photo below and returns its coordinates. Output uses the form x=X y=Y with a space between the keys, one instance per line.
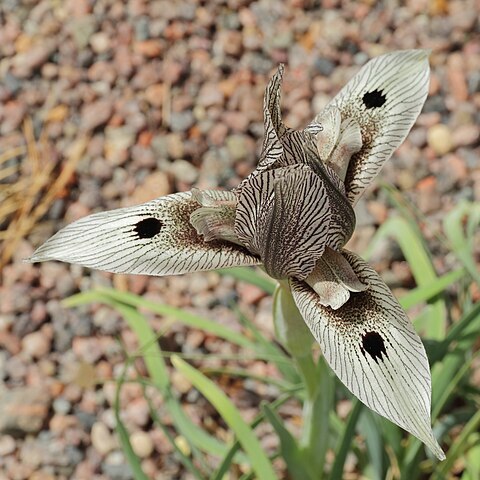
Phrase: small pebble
x=62 y=405
x=96 y=114
x=100 y=42
x=440 y=139
x=7 y=445
x=102 y=440
x=142 y=444
x=184 y=171
x=24 y=409
x=36 y=344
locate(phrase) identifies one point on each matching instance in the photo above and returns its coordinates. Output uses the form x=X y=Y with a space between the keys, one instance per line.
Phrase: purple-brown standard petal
x=288 y=215
x=283 y=215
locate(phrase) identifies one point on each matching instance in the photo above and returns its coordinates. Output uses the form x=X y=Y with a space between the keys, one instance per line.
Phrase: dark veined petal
x=283 y=215
x=342 y=221
x=272 y=115
x=372 y=347
x=385 y=98
x=155 y=238
x=274 y=128
x=282 y=146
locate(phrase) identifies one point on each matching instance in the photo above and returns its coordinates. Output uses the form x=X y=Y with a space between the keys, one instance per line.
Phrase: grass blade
x=227 y=460
x=259 y=461
x=419 y=260
x=130 y=455
x=430 y=290
x=463 y=241
x=158 y=372
x=346 y=440
x=289 y=448
x=252 y=276
x=458 y=447
x=187 y=318
x=375 y=443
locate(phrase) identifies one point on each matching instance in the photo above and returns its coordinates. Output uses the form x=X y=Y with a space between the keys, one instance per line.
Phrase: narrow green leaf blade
x=290 y=452
x=346 y=440
x=186 y=318
x=419 y=260
x=259 y=461
x=252 y=276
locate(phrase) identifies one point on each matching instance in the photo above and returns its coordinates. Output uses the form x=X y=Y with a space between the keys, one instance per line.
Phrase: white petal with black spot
x=385 y=98
x=155 y=238
x=372 y=347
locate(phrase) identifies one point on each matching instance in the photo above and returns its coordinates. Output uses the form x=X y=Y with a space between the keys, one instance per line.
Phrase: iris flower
x=293 y=215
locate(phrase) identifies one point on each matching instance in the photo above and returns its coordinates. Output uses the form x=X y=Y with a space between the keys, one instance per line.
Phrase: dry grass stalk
x=27 y=197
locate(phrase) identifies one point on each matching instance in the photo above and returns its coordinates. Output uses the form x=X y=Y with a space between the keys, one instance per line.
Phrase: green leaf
x=289 y=450
x=132 y=458
x=462 y=239
x=430 y=290
x=446 y=376
x=472 y=465
x=346 y=441
x=370 y=429
x=290 y=327
x=318 y=404
x=252 y=276
x=158 y=373
x=459 y=446
x=258 y=459
x=227 y=460
x=459 y=336
x=186 y=318
x=418 y=258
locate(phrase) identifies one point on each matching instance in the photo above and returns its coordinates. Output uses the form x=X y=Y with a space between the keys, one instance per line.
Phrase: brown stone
x=23 y=410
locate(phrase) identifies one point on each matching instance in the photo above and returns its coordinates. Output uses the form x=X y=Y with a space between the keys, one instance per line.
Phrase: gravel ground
x=169 y=95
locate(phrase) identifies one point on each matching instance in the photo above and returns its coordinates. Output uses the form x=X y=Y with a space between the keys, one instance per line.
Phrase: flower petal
x=385 y=98
x=374 y=350
x=342 y=214
x=215 y=219
x=284 y=215
x=343 y=271
x=272 y=115
x=282 y=146
x=328 y=136
x=350 y=142
x=272 y=149
x=333 y=279
x=329 y=291
x=155 y=238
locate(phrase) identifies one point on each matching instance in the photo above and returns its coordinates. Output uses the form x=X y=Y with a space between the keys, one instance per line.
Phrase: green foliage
x=380 y=449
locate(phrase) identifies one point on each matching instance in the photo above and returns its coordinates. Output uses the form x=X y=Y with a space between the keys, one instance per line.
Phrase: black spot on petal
x=373 y=344
x=148 y=227
x=374 y=99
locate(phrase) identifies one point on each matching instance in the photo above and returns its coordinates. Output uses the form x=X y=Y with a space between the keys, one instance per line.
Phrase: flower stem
x=319 y=387
x=316 y=410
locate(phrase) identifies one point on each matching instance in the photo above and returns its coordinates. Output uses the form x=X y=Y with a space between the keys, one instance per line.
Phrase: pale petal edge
x=373 y=349
x=154 y=238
